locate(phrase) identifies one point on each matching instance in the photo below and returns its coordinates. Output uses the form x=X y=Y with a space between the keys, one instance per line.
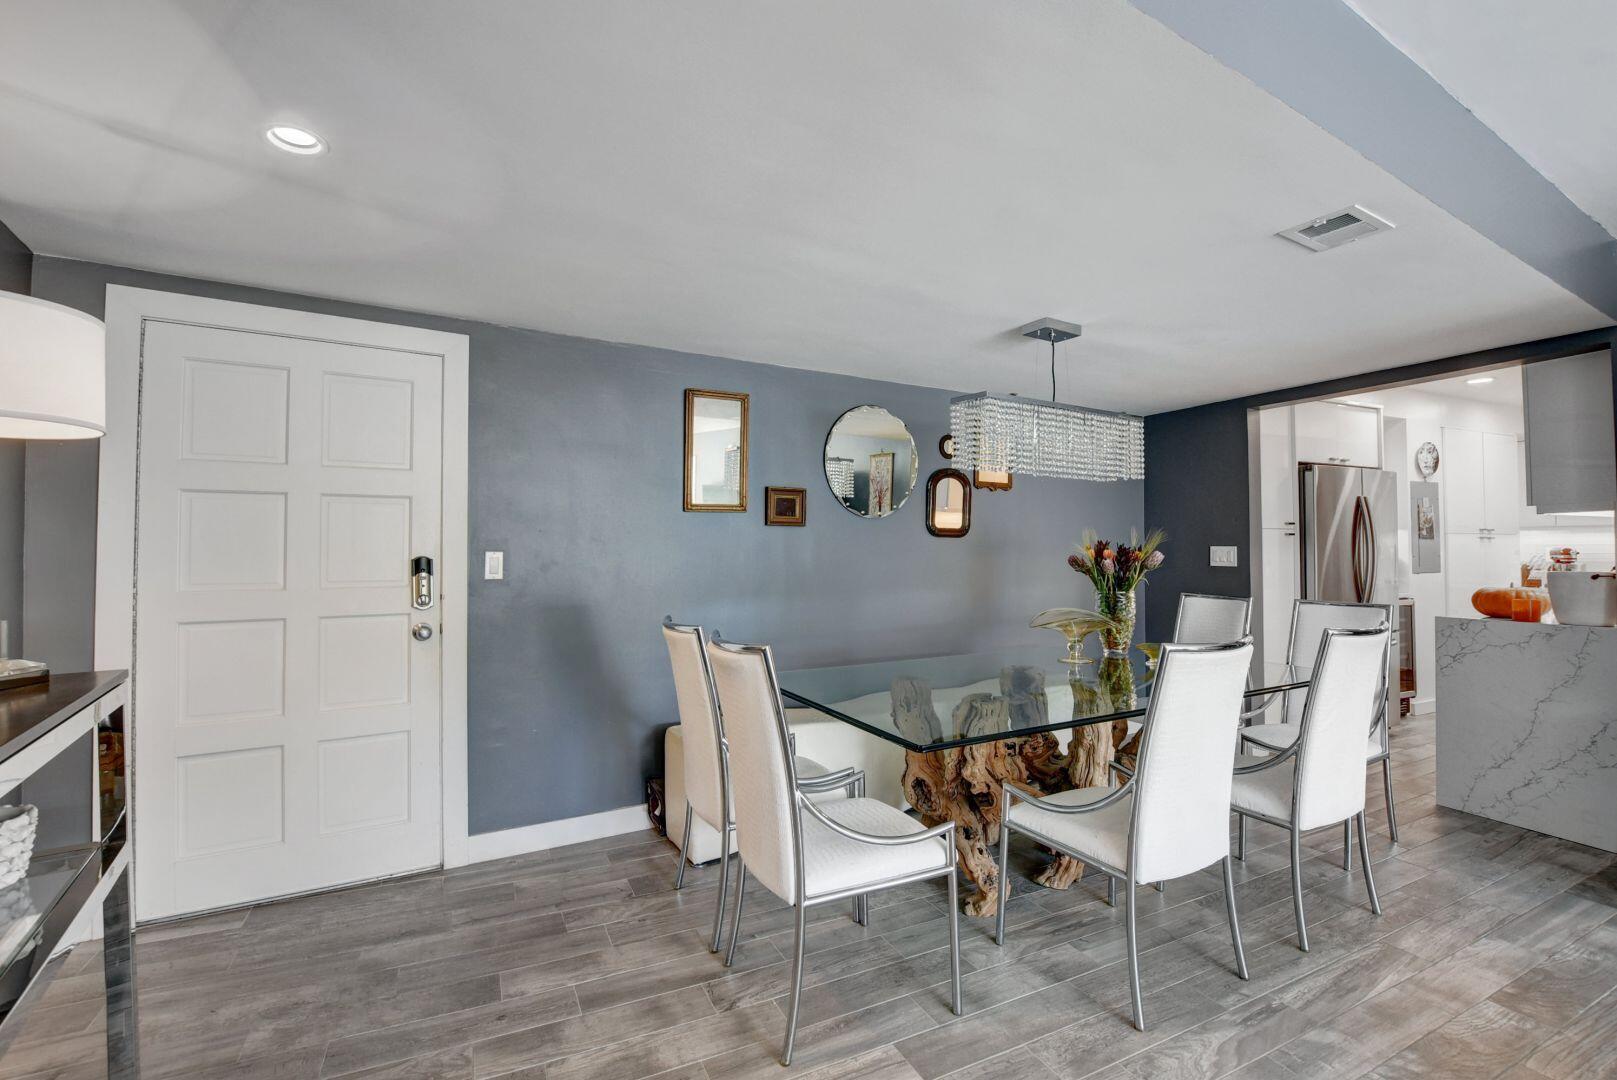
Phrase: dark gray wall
x=576 y=473
x=16 y=269
x=16 y=262
x=1196 y=464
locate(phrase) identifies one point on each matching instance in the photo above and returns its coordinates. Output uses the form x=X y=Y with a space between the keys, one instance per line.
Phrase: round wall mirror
x=870 y=461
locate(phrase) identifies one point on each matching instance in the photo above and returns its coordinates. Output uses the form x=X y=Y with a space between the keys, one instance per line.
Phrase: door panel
x=1462 y=469
x=1501 y=493
x=289 y=724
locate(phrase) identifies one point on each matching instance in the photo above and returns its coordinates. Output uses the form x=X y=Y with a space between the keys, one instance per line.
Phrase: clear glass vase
x=1116 y=638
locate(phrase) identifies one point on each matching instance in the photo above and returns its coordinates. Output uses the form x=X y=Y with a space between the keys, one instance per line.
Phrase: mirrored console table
x=63 y=749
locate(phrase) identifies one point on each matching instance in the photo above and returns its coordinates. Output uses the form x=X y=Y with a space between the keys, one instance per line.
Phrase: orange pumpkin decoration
x=1512 y=602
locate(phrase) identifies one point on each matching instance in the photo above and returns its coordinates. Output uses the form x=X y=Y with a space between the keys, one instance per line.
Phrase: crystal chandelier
x=1007 y=433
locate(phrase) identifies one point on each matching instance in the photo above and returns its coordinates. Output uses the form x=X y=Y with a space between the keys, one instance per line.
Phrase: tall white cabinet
x=1482 y=513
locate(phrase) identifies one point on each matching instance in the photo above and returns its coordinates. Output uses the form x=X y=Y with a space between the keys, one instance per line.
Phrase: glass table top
x=940 y=702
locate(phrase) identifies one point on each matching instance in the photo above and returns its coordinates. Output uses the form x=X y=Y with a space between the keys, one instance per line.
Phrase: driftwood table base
x=964 y=785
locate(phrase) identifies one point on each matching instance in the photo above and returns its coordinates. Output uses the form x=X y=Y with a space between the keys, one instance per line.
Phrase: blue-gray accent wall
x=1322 y=59
x=575 y=474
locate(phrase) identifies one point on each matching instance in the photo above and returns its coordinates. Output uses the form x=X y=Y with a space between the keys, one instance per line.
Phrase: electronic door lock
x=421 y=583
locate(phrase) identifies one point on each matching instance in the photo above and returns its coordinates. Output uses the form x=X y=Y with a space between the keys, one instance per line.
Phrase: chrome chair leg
x=724 y=882
x=1134 y=953
x=1004 y=882
x=1240 y=837
x=1162 y=886
x=1347 y=846
x=1296 y=886
x=684 y=849
x=954 y=934
x=862 y=915
x=797 y=985
x=1386 y=785
x=1364 y=856
x=1235 y=920
x=735 y=920
x=1111 y=890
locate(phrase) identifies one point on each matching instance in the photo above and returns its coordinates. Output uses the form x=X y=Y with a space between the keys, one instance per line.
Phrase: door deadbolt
x=421 y=632
x=421 y=583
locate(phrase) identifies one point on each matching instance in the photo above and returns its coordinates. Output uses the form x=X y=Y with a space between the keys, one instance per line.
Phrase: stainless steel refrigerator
x=1349 y=536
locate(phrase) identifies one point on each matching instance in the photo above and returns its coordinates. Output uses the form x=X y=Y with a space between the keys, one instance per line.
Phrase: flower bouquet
x=1116 y=570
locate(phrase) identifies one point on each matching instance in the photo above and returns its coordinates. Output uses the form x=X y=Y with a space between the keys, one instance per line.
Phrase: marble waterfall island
x=1527 y=725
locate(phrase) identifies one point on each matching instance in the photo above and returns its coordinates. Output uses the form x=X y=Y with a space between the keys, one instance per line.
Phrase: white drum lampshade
x=53 y=371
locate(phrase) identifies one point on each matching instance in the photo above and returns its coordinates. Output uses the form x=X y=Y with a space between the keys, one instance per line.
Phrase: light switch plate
x=493 y=565
x=1222 y=556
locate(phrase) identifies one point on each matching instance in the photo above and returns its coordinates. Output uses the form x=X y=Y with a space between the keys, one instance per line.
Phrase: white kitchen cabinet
x=1277 y=469
x=1280 y=589
x=1460 y=473
x=1358 y=435
x=1475 y=561
x=1501 y=491
x=1481 y=486
x=1338 y=434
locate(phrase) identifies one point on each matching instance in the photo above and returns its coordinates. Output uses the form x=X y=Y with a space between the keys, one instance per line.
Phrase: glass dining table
x=971 y=722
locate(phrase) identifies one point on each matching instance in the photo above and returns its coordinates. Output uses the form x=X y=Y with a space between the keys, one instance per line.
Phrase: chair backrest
x=763 y=782
x=1343 y=698
x=700 y=723
x=1309 y=621
x=1182 y=783
x=1210 y=620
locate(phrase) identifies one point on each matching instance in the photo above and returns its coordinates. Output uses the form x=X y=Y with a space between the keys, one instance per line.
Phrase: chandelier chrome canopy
x=1007 y=433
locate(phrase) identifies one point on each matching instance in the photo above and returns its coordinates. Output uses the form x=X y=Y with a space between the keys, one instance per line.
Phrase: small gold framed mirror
x=715 y=451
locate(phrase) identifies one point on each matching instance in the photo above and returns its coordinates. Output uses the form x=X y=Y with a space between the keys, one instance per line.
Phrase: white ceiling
x=1542 y=75
x=875 y=189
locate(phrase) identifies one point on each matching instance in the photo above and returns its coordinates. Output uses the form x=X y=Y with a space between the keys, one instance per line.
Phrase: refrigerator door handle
x=1356 y=552
x=1370 y=551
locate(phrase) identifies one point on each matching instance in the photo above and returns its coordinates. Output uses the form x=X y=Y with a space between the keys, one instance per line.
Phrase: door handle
x=1356 y=553
x=1370 y=549
x=421 y=631
x=421 y=588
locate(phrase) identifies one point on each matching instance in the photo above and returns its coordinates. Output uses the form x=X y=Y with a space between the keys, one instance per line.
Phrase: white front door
x=287 y=717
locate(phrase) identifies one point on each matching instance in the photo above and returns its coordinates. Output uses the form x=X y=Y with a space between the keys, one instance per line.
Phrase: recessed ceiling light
x=1480 y=380
x=294 y=140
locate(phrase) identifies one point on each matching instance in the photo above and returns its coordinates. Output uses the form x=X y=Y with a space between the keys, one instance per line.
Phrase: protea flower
x=1153 y=560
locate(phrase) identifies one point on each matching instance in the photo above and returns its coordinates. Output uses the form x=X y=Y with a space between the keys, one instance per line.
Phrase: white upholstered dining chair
x=707 y=770
x=1309 y=621
x=1205 y=619
x=1317 y=781
x=1172 y=816
x=805 y=852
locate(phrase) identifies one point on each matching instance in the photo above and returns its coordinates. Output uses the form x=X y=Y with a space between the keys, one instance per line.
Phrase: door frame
x=128 y=310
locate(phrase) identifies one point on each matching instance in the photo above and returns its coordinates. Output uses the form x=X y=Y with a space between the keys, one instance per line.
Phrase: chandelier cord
x=1052 y=368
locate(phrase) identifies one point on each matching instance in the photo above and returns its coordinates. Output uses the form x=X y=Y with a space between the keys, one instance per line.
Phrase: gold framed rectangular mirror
x=715 y=451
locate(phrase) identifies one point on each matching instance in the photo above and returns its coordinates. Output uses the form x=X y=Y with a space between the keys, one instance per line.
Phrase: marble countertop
x=1527 y=725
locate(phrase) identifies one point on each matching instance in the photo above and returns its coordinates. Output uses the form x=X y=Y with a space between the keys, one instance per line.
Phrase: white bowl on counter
x=1583 y=597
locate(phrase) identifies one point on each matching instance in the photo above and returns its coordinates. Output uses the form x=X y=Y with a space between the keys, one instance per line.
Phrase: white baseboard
x=1422 y=705
x=483 y=847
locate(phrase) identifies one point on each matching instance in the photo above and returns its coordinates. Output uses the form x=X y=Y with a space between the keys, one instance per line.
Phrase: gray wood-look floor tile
x=1496 y=956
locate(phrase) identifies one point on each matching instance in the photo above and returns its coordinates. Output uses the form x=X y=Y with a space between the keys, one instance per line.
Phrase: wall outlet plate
x=493 y=565
x=1223 y=556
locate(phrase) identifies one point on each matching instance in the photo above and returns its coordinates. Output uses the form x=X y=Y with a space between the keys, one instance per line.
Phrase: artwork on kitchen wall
x=1426 y=539
x=881 y=483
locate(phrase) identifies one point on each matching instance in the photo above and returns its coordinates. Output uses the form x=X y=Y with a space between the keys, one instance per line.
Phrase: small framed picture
x=988 y=480
x=785 y=506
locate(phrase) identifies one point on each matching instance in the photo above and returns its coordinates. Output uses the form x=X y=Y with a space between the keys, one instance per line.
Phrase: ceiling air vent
x=1334 y=230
